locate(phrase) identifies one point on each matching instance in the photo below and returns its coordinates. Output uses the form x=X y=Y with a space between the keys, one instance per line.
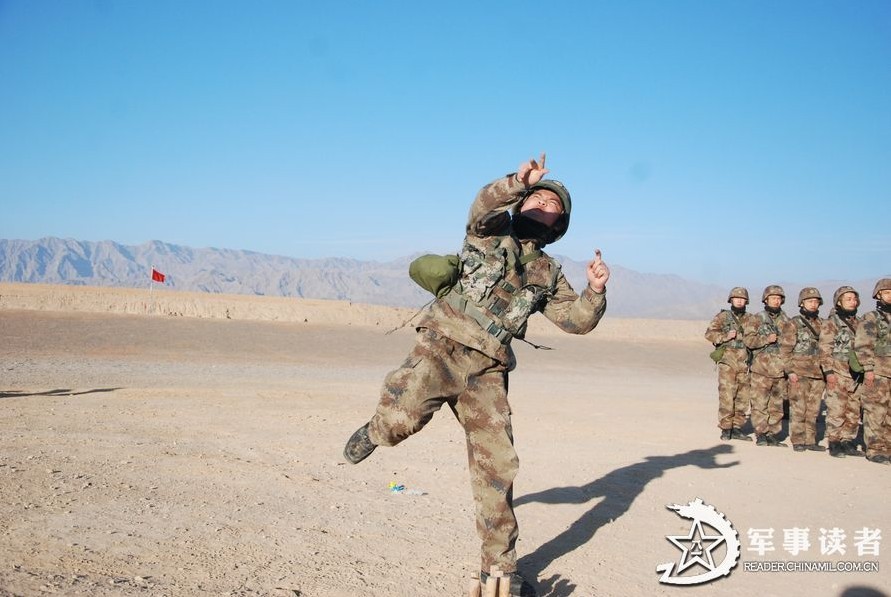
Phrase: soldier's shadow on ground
x=618 y=489
x=57 y=392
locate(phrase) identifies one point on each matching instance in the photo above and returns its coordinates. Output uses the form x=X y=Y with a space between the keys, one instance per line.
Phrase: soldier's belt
x=492 y=327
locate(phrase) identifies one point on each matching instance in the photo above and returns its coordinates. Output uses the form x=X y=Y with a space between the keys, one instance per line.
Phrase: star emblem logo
x=709 y=530
x=696 y=547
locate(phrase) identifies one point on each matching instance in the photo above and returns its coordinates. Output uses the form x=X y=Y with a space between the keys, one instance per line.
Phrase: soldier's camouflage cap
x=842 y=290
x=808 y=293
x=738 y=292
x=773 y=289
x=883 y=284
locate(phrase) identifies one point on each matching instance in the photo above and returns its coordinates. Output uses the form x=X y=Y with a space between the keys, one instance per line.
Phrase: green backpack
x=435 y=273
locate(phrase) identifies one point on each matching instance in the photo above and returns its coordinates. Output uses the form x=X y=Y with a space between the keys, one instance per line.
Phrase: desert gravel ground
x=170 y=453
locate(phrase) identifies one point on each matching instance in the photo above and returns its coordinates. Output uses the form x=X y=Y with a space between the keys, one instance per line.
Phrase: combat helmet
x=808 y=293
x=883 y=284
x=738 y=292
x=842 y=290
x=773 y=289
x=562 y=224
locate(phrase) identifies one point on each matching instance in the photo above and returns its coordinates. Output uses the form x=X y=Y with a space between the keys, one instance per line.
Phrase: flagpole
x=152 y=289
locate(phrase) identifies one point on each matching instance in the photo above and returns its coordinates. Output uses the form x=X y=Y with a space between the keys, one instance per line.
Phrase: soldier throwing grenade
x=463 y=355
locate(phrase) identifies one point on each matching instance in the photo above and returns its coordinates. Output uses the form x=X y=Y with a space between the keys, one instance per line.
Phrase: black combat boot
x=850 y=448
x=836 y=450
x=772 y=440
x=359 y=446
x=879 y=459
x=737 y=433
x=761 y=440
x=799 y=447
x=725 y=434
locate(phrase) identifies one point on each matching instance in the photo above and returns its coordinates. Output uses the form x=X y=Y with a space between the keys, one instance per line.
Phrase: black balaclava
x=809 y=314
x=526 y=228
x=844 y=313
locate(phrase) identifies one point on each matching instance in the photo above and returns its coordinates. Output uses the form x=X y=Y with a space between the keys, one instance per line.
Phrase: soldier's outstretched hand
x=598 y=273
x=530 y=172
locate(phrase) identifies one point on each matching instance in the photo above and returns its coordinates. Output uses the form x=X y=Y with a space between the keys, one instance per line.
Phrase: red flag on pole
x=157 y=276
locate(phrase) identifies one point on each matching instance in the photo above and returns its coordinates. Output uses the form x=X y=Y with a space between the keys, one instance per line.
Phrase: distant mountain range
x=107 y=263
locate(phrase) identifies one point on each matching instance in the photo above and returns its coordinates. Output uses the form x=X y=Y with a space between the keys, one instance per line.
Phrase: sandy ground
x=173 y=453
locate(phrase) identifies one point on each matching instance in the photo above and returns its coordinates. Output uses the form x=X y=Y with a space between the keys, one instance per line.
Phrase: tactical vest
x=766 y=327
x=732 y=323
x=883 y=331
x=843 y=342
x=492 y=287
x=806 y=340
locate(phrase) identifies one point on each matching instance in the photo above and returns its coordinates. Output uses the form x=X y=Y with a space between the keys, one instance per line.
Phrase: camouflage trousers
x=440 y=371
x=733 y=397
x=767 y=403
x=843 y=410
x=804 y=409
x=877 y=417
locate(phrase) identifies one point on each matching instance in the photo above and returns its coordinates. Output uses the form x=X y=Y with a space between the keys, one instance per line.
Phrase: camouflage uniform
x=463 y=355
x=842 y=401
x=734 y=396
x=872 y=344
x=800 y=348
x=768 y=372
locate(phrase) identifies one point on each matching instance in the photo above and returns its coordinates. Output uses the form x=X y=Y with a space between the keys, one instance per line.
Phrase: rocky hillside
x=107 y=263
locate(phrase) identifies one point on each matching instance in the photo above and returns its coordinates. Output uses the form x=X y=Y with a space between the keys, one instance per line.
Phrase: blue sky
x=724 y=141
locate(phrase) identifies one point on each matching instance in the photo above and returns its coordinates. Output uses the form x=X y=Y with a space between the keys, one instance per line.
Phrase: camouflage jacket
x=766 y=358
x=501 y=291
x=872 y=343
x=800 y=348
x=836 y=344
x=736 y=354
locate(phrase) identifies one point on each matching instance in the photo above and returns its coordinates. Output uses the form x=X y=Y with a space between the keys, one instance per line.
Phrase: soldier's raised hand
x=831 y=381
x=598 y=273
x=530 y=172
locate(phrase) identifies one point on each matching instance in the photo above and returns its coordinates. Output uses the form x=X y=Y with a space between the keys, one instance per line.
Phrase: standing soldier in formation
x=800 y=348
x=872 y=344
x=768 y=369
x=726 y=333
x=844 y=374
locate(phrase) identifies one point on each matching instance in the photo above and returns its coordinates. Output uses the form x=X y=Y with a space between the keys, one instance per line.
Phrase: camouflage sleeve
x=573 y=313
x=865 y=341
x=489 y=212
x=825 y=346
x=787 y=339
x=715 y=332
